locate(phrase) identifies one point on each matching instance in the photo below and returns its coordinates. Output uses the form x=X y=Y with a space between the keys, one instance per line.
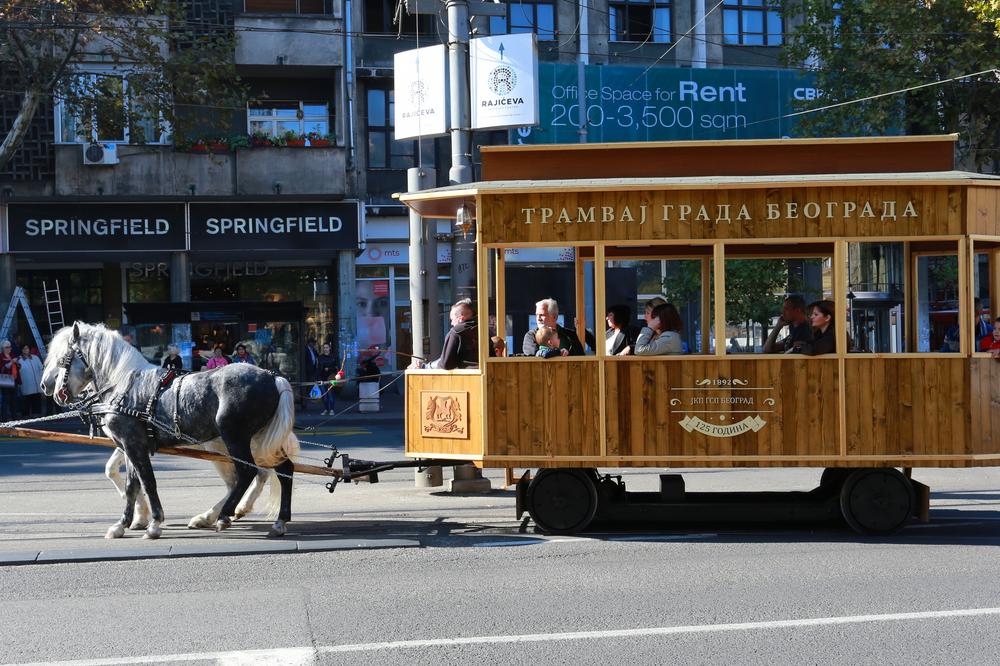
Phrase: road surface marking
x=306 y=655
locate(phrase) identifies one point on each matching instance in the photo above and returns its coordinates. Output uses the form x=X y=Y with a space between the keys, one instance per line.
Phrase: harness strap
x=177 y=402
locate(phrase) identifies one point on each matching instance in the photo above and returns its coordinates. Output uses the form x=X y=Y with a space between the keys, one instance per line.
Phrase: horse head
x=85 y=354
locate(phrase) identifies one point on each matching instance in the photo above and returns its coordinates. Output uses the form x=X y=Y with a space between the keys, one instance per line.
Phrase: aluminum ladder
x=21 y=298
x=53 y=307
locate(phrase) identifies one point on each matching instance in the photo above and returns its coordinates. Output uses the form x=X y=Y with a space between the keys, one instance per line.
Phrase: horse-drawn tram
x=898 y=250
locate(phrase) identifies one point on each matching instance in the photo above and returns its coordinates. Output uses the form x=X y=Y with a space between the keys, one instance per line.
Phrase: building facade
x=243 y=241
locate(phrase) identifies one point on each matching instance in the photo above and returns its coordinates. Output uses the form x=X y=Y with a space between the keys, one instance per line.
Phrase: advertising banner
x=667 y=104
x=421 y=93
x=503 y=75
x=95 y=227
x=262 y=226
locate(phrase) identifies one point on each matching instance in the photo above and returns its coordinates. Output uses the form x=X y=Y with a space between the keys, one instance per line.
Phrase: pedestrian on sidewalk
x=310 y=372
x=8 y=381
x=217 y=360
x=327 y=364
x=29 y=378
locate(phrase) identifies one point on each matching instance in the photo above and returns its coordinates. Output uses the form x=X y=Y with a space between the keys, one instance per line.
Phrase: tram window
x=983 y=289
x=634 y=283
x=876 y=286
x=937 y=299
x=756 y=292
x=534 y=274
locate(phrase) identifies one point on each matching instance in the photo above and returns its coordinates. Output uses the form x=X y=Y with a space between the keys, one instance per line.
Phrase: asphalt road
x=481 y=586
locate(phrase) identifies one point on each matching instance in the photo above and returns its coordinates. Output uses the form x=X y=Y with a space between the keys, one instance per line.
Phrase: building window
x=287 y=7
x=278 y=117
x=383 y=151
x=752 y=22
x=379 y=16
x=522 y=17
x=102 y=114
x=639 y=21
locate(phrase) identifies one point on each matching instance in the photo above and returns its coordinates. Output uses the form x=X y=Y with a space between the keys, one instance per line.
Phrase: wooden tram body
x=711 y=202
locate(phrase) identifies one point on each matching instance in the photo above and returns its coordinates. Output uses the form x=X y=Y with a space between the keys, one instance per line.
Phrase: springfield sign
x=322 y=225
x=667 y=104
x=95 y=227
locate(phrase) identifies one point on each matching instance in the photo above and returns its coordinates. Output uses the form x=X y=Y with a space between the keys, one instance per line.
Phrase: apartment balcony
x=289 y=41
x=154 y=171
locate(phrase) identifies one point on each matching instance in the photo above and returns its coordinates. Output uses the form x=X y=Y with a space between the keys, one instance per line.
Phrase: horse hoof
x=153 y=532
x=201 y=521
x=116 y=531
x=222 y=523
x=277 y=530
x=240 y=513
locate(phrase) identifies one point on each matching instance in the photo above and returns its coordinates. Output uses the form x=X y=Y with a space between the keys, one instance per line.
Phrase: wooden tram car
x=859 y=415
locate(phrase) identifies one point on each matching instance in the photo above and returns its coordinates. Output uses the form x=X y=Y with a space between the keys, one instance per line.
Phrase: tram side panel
x=444 y=414
x=985 y=414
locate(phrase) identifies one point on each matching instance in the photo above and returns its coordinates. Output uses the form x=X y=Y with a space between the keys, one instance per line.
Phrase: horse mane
x=110 y=356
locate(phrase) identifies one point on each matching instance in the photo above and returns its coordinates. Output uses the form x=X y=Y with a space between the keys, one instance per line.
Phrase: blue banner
x=667 y=104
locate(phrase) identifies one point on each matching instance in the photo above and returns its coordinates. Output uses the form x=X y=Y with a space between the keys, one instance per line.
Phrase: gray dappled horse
x=248 y=410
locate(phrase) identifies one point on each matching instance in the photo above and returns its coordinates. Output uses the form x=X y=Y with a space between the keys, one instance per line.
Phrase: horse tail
x=276 y=441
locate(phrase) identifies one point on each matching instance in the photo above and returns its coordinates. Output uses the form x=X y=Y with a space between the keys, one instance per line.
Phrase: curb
x=158 y=551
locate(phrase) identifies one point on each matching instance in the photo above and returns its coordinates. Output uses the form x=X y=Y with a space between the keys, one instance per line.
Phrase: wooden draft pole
x=70 y=438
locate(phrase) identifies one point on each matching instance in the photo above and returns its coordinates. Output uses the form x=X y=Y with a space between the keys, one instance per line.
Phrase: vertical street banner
x=503 y=81
x=421 y=93
x=667 y=104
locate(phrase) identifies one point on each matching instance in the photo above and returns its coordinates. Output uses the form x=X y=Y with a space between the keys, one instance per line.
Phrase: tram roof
x=443 y=202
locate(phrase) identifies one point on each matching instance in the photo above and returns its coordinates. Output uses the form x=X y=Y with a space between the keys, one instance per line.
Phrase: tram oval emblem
x=445 y=414
x=722 y=406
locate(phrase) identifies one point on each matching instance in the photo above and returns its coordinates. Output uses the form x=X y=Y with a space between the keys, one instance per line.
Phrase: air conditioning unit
x=100 y=153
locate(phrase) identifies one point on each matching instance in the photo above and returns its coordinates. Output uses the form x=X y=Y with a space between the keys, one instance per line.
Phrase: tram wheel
x=832 y=479
x=877 y=501
x=562 y=501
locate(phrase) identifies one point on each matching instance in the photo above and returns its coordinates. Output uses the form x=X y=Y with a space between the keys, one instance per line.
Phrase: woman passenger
x=662 y=335
x=824 y=334
x=620 y=336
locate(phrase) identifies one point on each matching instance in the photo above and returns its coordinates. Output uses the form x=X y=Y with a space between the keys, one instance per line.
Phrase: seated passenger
x=824 y=339
x=498 y=347
x=548 y=343
x=662 y=336
x=547 y=314
x=991 y=343
x=621 y=335
x=461 y=345
x=793 y=314
x=651 y=305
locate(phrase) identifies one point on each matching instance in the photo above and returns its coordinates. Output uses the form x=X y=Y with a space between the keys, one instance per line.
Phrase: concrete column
x=347 y=321
x=420 y=178
x=180 y=277
x=8 y=278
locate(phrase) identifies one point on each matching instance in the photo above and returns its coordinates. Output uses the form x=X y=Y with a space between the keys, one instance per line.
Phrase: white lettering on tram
x=887 y=210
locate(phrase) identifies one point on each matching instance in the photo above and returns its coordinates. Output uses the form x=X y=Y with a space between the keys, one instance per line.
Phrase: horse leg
x=132 y=488
x=112 y=470
x=256 y=488
x=284 y=471
x=143 y=467
x=228 y=474
x=244 y=477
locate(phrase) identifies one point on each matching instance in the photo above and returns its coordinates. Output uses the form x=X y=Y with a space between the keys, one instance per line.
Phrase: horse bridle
x=64 y=365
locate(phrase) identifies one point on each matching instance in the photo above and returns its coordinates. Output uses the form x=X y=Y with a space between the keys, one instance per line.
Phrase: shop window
x=384 y=152
x=526 y=17
x=752 y=22
x=279 y=117
x=380 y=17
x=640 y=21
x=768 y=302
x=105 y=113
x=287 y=7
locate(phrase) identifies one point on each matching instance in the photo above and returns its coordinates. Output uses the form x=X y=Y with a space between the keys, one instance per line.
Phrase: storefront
x=198 y=275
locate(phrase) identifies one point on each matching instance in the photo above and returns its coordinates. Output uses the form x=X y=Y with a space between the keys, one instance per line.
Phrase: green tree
x=869 y=47
x=176 y=71
x=755 y=289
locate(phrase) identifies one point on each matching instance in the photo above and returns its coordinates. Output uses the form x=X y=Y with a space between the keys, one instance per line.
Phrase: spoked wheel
x=877 y=501
x=562 y=501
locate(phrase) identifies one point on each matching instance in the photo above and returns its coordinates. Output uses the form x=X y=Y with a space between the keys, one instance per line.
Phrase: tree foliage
x=178 y=73
x=868 y=47
x=755 y=289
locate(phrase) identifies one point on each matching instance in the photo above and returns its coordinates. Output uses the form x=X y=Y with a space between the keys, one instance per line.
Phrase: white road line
x=307 y=655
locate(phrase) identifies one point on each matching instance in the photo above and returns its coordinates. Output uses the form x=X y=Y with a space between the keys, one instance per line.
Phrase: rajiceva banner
x=667 y=104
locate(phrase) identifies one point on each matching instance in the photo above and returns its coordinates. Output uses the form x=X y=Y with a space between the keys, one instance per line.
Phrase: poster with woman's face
x=374 y=319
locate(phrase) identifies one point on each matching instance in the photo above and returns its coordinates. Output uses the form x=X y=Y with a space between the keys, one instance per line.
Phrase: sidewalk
x=391 y=410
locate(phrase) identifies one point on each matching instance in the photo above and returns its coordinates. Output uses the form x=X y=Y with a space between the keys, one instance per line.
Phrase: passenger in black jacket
x=461 y=345
x=547 y=314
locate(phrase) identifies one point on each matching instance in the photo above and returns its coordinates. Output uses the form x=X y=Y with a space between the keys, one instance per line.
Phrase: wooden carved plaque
x=444 y=414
